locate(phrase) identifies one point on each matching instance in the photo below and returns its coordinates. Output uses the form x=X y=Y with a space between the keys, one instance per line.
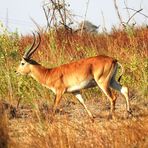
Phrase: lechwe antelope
x=85 y=73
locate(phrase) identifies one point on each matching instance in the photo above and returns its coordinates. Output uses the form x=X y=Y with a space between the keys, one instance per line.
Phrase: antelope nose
x=17 y=73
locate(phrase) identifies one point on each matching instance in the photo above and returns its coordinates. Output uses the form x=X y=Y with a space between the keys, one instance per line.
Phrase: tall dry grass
x=72 y=127
x=109 y=134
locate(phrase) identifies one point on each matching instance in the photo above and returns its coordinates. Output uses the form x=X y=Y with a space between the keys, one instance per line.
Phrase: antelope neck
x=39 y=73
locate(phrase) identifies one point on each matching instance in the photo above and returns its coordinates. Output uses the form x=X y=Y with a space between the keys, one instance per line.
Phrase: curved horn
x=35 y=48
x=27 y=53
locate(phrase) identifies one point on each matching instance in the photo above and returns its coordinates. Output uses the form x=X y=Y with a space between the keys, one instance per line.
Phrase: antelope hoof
x=92 y=119
x=51 y=119
x=110 y=117
x=129 y=113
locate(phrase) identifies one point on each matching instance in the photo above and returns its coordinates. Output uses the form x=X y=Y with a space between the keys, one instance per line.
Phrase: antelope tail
x=122 y=71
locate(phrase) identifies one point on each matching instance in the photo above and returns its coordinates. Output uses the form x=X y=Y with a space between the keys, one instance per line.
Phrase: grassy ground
x=72 y=128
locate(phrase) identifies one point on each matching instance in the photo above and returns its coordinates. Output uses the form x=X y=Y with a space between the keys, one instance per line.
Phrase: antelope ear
x=25 y=59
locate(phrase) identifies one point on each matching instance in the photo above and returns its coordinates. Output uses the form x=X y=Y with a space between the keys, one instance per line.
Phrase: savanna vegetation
x=26 y=105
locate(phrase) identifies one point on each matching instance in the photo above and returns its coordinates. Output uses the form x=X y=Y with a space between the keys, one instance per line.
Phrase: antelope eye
x=23 y=63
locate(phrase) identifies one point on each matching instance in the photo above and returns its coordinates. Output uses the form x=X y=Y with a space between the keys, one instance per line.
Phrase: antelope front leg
x=56 y=103
x=79 y=97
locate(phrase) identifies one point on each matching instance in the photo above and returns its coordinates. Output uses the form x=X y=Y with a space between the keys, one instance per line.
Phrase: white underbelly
x=82 y=85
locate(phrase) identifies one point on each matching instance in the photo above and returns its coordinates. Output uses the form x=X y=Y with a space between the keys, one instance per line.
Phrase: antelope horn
x=27 y=53
x=35 y=48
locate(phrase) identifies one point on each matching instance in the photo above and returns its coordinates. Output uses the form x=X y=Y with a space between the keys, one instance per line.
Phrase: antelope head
x=25 y=65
